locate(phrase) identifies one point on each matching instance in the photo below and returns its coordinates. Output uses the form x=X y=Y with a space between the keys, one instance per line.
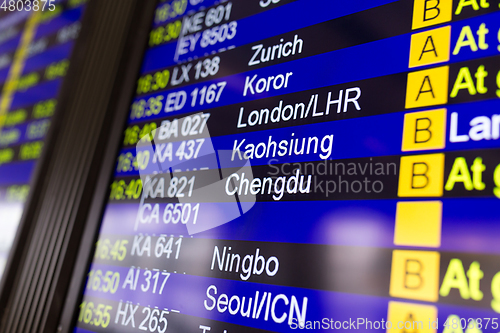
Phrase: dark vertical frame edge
x=24 y=231
x=136 y=43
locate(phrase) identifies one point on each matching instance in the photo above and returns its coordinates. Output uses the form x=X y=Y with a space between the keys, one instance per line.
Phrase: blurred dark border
x=51 y=254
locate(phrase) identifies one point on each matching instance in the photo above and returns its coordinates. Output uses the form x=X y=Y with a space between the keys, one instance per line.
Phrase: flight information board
x=307 y=165
x=35 y=46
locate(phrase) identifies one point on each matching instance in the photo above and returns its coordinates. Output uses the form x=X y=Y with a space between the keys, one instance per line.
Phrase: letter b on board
x=415 y=275
x=421 y=176
x=431 y=12
x=424 y=130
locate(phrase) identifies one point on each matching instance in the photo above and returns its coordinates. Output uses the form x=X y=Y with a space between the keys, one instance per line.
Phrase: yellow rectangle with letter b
x=415 y=275
x=421 y=176
x=431 y=12
x=424 y=130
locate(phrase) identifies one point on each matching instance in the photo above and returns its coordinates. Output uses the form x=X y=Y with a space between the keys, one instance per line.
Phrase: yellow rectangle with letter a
x=430 y=47
x=427 y=87
x=416 y=318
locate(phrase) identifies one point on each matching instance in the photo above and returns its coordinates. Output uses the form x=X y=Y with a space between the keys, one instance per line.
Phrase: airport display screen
x=35 y=46
x=311 y=165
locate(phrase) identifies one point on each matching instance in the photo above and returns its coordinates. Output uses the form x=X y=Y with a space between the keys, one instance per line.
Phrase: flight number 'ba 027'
x=191 y=125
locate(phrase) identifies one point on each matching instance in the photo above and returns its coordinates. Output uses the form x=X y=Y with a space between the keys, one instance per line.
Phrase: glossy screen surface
x=35 y=48
x=309 y=164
